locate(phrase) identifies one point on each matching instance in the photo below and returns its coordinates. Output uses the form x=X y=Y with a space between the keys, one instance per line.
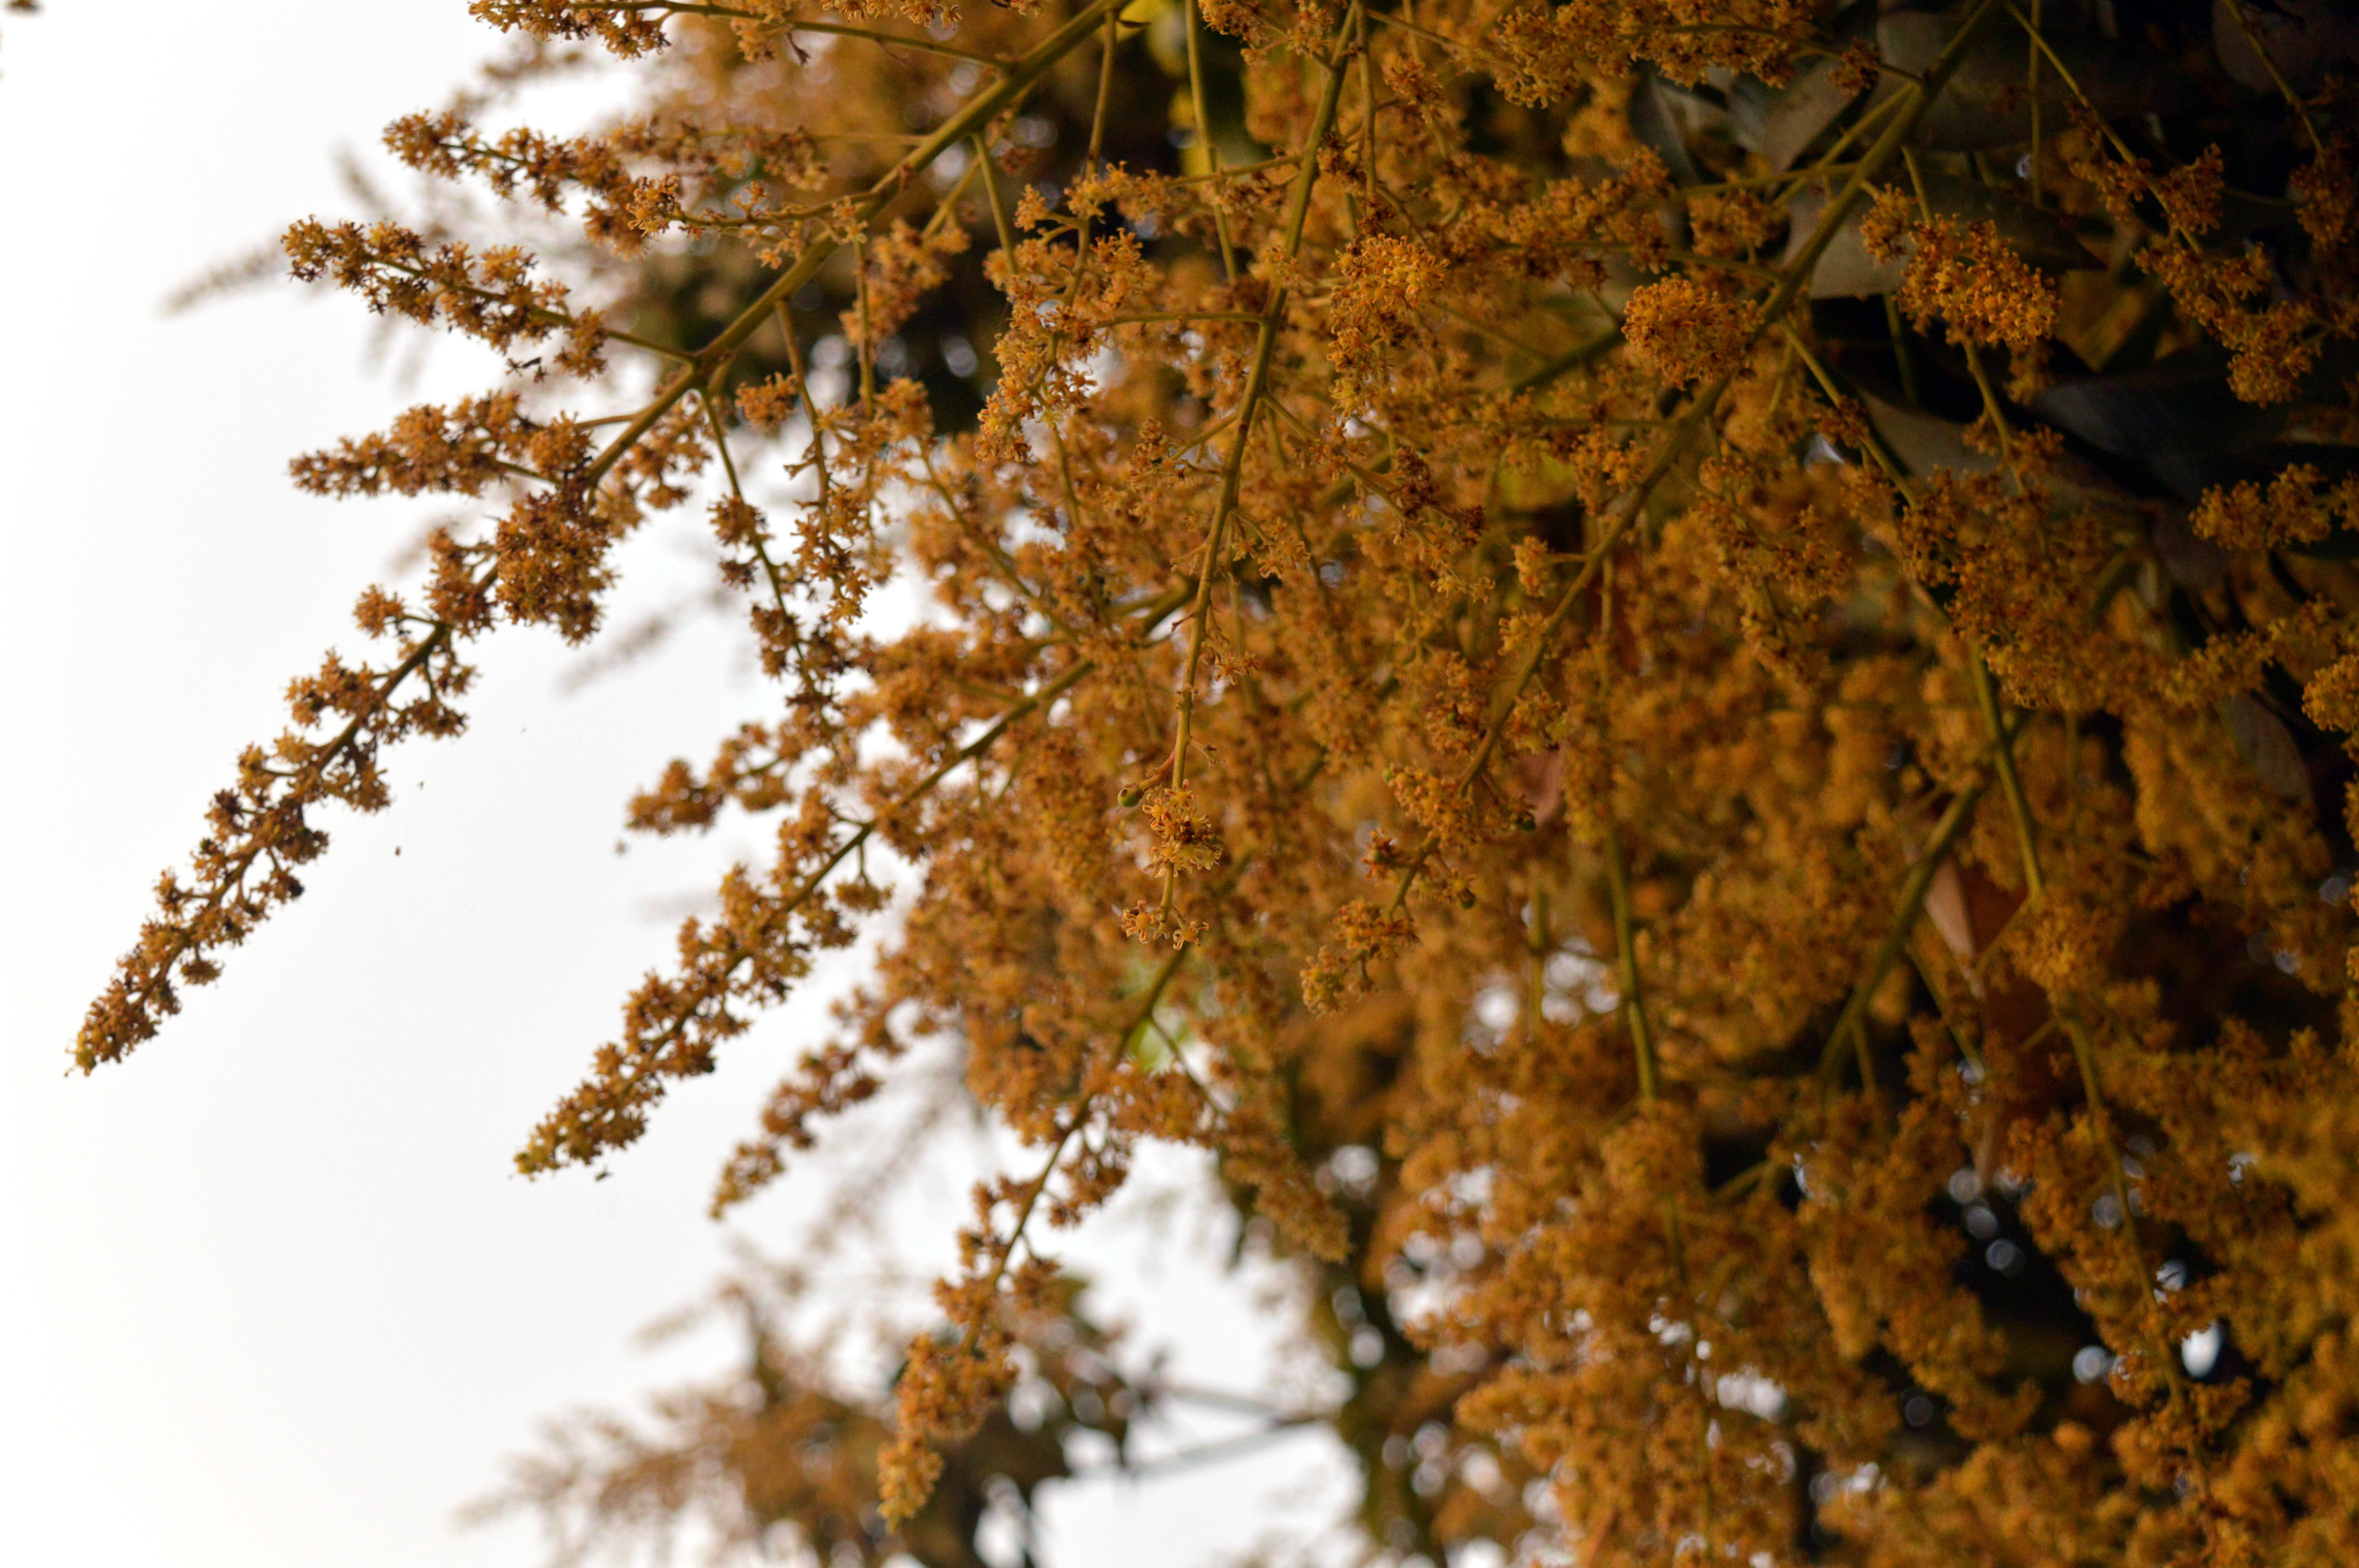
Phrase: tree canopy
x=1680 y=675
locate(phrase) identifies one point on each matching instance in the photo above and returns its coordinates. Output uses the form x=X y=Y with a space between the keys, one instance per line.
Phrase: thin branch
x=1911 y=904
x=1634 y=996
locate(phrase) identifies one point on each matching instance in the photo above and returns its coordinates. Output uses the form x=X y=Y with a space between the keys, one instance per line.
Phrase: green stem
x=1204 y=138
x=1634 y=996
x=2018 y=804
x=1854 y=1019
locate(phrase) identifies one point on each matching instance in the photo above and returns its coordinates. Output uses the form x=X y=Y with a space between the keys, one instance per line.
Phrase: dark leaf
x=1921 y=442
x=1924 y=443
x=2339 y=545
x=2307 y=39
x=1846 y=269
x=2038 y=235
x=1665 y=118
x=1779 y=124
x=2176 y=408
x=2188 y=477
x=2189 y=474
x=2192 y=561
x=1987 y=103
x=2268 y=745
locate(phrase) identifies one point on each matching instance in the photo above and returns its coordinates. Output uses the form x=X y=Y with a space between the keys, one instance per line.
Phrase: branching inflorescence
x=1680 y=674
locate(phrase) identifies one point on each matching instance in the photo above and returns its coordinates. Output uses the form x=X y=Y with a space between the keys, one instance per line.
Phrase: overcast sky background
x=270 y=1294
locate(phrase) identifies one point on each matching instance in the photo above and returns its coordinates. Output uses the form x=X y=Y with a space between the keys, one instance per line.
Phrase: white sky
x=270 y=1295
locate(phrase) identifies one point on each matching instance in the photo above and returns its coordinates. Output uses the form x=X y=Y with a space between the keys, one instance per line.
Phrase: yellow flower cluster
x=1763 y=914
